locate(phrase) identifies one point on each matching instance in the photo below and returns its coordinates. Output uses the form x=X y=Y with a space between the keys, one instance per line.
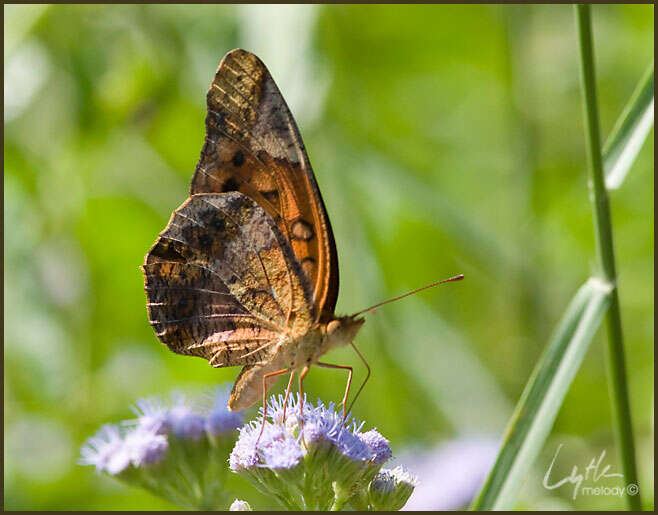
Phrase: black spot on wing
x=229 y=185
x=165 y=251
x=218 y=224
x=216 y=120
x=238 y=159
x=271 y=196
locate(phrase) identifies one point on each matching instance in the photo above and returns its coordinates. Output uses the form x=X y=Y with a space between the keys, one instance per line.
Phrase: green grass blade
x=541 y=400
x=629 y=133
x=622 y=421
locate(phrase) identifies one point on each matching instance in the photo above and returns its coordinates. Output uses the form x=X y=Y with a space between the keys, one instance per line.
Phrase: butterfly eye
x=332 y=326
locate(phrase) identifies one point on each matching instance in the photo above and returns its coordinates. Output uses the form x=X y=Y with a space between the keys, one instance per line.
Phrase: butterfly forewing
x=253 y=146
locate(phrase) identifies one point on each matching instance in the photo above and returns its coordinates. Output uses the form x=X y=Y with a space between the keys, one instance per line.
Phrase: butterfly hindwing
x=223 y=283
x=193 y=313
x=253 y=146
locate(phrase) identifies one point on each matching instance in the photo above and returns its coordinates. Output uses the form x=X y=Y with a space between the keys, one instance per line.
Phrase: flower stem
x=616 y=367
x=340 y=497
x=337 y=505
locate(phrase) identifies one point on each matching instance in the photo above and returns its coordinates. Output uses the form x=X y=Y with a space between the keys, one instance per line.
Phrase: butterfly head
x=342 y=330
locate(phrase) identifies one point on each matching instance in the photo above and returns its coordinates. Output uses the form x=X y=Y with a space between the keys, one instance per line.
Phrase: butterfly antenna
x=371 y=308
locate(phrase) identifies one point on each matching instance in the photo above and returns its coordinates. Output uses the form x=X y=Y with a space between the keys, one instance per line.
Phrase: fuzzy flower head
x=114 y=449
x=221 y=420
x=391 y=488
x=177 y=415
x=378 y=444
x=239 y=505
x=322 y=426
x=185 y=423
x=106 y=451
x=276 y=449
x=169 y=435
x=152 y=415
x=145 y=447
x=316 y=445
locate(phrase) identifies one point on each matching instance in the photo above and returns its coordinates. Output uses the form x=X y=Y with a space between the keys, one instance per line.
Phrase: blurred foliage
x=445 y=139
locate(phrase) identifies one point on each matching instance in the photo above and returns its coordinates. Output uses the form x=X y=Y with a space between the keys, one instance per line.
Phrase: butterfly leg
x=285 y=400
x=265 y=378
x=302 y=375
x=343 y=403
x=365 y=380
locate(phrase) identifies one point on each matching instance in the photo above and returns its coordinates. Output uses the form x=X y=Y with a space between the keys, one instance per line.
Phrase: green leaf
x=629 y=133
x=541 y=400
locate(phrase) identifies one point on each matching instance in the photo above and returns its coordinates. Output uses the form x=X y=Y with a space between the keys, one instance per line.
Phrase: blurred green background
x=445 y=140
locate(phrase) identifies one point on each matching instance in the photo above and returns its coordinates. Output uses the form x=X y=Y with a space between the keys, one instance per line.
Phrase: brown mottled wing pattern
x=223 y=283
x=253 y=146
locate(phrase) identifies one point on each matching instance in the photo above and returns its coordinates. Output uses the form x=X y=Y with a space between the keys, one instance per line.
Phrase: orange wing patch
x=253 y=146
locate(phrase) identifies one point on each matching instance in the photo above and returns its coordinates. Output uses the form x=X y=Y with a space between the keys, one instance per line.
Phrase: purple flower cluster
x=220 y=420
x=185 y=420
x=283 y=445
x=112 y=450
x=276 y=448
x=312 y=460
x=146 y=440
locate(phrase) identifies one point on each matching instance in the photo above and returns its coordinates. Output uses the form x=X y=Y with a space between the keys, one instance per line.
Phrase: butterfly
x=246 y=271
